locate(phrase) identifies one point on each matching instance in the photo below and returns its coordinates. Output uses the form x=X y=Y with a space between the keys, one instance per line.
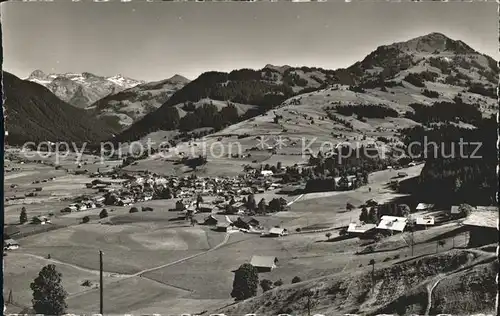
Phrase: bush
x=266 y=285
x=278 y=283
x=133 y=210
x=430 y=93
x=415 y=79
x=85 y=219
x=103 y=214
x=296 y=279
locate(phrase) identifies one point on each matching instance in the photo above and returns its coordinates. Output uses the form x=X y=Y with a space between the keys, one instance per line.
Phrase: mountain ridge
x=34 y=113
x=414 y=68
x=87 y=86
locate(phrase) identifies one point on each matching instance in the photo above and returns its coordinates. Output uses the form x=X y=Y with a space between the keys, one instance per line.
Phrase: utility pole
x=101 y=296
x=412 y=242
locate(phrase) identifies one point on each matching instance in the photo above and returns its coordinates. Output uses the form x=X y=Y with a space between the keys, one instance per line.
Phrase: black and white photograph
x=263 y=158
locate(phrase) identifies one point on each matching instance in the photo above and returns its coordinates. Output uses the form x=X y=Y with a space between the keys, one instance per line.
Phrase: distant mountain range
x=402 y=79
x=424 y=70
x=82 y=89
x=125 y=107
x=34 y=113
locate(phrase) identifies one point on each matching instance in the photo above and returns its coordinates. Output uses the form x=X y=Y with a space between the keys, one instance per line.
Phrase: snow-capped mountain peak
x=82 y=89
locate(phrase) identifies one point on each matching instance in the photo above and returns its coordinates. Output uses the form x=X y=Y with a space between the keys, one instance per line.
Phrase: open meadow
x=154 y=260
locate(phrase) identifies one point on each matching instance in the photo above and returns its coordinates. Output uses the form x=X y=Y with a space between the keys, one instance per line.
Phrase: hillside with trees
x=33 y=113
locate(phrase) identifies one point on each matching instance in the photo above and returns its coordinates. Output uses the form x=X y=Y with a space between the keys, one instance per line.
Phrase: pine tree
x=262 y=206
x=49 y=296
x=364 y=217
x=23 y=218
x=251 y=205
x=246 y=281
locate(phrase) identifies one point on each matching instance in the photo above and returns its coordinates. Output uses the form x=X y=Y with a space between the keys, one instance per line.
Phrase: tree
x=373 y=215
x=251 y=204
x=49 y=296
x=262 y=206
x=372 y=263
x=199 y=199
x=103 y=214
x=266 y=285
x=278 y=283
x=328 y=235
x=465 y=209
x=23 y=217
x=296 y=279
x=133 y=210
x=245 y=283
x=363 y=217
x=404 y=210
x=85 y=219
x=279 y=166
x=179 y=205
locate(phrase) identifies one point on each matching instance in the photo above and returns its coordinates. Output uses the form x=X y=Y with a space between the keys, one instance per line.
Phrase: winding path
x=429 y=293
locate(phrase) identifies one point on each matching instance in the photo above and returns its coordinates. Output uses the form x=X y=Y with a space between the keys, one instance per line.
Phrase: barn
x=482 y=226
x=264 y=263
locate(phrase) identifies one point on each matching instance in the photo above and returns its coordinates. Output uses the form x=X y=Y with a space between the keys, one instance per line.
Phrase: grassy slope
x=402 y=282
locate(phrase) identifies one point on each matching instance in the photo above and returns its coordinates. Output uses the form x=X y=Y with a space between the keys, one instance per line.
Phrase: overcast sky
x=153 y=41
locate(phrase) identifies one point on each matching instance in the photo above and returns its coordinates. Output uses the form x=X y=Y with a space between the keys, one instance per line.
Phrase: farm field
x=153 y=260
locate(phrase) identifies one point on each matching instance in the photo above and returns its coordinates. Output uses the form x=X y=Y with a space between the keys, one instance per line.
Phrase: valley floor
x=156 y=263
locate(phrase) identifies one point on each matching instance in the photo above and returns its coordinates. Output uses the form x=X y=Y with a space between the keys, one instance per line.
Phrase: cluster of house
x=481 y=224
x=125 y=190
x=394 y=224
x=245 y=224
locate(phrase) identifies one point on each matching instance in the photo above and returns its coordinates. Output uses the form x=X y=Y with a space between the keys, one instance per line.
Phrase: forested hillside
x=33 y=113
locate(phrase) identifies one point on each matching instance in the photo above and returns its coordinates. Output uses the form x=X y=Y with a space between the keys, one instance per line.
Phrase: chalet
x=224 y=227
x=264 y=263
x=239 y=207
x=69 y=209
x=125 y=202
x=246 y=222
x=99 y=199
x=424 y=220
x=424 y=207
x=360 y=229
x=456 y=212
x=392 y=223
x=210 y=220
x=205 y=208
x=266 y=173
x=483 y=227
x=42 y=220
x=90 y=205
x=10 y=244
x=275 y=232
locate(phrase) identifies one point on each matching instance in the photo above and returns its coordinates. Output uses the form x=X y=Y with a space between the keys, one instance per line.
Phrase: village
x=238 y=204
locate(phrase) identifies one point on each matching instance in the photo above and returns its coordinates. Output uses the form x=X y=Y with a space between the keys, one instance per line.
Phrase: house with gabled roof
x=392 y=223
x=359 y=229
x=482 y=226
x=275 y=232
x=264 y=263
